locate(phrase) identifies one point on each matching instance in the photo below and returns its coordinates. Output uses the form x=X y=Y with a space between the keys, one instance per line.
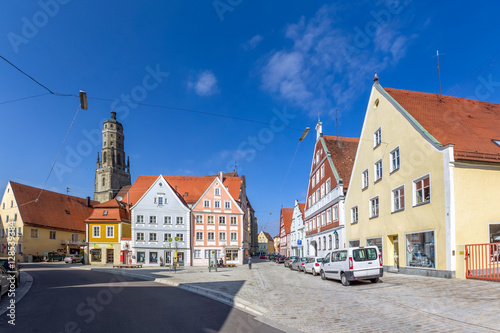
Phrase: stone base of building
x=421 y=272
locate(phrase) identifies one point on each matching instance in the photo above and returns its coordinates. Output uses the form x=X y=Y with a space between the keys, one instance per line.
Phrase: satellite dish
x=119 y=198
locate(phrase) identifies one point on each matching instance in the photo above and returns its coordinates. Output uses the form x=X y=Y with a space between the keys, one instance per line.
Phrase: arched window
x=324 y=243
x=319 y=243
x=104 y=157
x=329 y=242
x=103 y=181
x=336 y=241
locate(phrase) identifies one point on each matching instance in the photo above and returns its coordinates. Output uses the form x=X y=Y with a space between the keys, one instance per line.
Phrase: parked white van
x=351 y=264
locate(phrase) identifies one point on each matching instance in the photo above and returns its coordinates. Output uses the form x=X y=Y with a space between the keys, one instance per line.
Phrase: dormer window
x=105 y=213
x=497 y=142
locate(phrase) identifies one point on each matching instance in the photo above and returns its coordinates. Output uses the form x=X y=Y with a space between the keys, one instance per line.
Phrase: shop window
x=96 y=255
x=354 y=243
x=420 y=250
x=141 y=257
x=495 y=233
x=375 y=242
x=153 y=257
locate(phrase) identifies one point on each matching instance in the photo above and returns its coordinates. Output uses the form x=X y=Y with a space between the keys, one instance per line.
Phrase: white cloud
x=328 y=65
x=205 y=85
x=252 y=43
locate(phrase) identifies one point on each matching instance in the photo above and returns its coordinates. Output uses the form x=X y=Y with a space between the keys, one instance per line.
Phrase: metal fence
x=482 y=261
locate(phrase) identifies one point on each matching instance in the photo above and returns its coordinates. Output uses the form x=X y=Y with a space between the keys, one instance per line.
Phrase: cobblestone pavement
x=296 y=301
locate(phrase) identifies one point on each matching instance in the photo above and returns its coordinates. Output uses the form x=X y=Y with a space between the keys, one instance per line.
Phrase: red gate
x=482 y=261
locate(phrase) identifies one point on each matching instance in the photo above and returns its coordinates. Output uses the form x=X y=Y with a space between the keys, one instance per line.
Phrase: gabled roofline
x=416 y=125
x=224 y=187
x=174 y=192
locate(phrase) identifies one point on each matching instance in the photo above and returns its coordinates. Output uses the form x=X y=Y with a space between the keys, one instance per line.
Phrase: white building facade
x=297 y=230
x=161 y=227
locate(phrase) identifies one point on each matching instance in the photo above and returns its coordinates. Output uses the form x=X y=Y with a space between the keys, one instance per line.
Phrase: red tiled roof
x=301 y=207
x=343 y=152
x=50 y=209
x=467 y=124
x=268 y=236
x=287 y=214
x=115 y=211
x=193 y=186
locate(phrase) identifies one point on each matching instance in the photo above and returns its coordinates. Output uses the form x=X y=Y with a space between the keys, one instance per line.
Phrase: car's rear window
x=319 y=259
x=364 y=254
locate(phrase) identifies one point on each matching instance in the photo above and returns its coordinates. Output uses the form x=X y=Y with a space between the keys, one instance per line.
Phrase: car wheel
x=344 y=280
x=314 y=272
x=323 y=277
x=374 y=280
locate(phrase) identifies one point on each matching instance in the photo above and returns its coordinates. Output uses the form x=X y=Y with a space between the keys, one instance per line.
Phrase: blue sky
x=279 y=63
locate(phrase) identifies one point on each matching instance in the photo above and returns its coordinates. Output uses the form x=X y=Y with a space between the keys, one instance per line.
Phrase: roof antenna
x=439 y=74
x=337 y=124
x=235 y=166
x=67 y=191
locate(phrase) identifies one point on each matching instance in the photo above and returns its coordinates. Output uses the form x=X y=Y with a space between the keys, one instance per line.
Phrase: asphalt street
x=62 y=299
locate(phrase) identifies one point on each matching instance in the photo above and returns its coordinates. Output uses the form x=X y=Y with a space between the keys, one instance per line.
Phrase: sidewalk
x=297 y=301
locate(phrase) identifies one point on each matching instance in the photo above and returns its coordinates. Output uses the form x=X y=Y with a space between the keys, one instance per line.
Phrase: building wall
x=174 y=208
x=418 y=158
x=477 y=189
x=223 y=247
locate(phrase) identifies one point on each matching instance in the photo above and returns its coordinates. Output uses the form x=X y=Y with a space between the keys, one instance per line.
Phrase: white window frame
x=377 y=137
x=211 y=239
x=167 y=220
x=227 y=204
x=414 y=190
x=335 y=211
x=328 y=185
x=166 y=236
x=34 y=233
x=179 y=218
x=197 y=254
x=328 y=216
x=199 y=219
x=395 y=159
x=365 y=180
x=217 y=204
x=235 y=218
x=98 y=229
x=222 y=233
x=211 y=219
x=222 y=220
x=395 y=209
x=378 y=171
x=180 y=236
x=199 y=236
x=206 y=203
x=52 y=232
x=372 y=212
x=140 y=219
x=322 y=170
x=155 y=237
x=141 y=238
x=217 y=191
x=235 y=238
x=108 y=228
x=152 y=219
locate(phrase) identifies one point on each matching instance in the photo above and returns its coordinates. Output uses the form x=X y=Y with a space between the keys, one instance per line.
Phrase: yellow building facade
x=266 y=242
x=410 y=195
x=109 y=234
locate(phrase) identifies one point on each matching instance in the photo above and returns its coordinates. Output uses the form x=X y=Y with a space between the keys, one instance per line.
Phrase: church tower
x=111 y=172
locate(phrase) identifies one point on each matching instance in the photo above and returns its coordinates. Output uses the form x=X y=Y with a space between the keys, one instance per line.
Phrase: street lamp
x=304 y=134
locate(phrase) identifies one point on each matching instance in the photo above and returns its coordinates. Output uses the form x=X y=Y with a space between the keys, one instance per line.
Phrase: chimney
x=87 y=201
x=221 y=176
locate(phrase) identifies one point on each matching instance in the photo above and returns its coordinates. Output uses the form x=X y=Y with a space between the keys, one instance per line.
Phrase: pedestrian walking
x=249 y=262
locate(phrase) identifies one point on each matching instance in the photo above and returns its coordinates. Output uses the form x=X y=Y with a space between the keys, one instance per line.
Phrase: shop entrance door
x=395 y=243
x=109 y=256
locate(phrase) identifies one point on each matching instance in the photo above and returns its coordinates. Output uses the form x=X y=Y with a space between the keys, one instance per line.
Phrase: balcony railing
x=337 y=192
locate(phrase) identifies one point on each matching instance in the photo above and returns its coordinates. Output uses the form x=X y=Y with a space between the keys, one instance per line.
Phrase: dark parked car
x=280 y=259
x=53 y=256
x=271 y=257
x=12 y=268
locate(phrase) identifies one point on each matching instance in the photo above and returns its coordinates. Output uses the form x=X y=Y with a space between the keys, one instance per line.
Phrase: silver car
x=4 y=281
x=313 y=265
x=298 y=264
x=73 y=258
